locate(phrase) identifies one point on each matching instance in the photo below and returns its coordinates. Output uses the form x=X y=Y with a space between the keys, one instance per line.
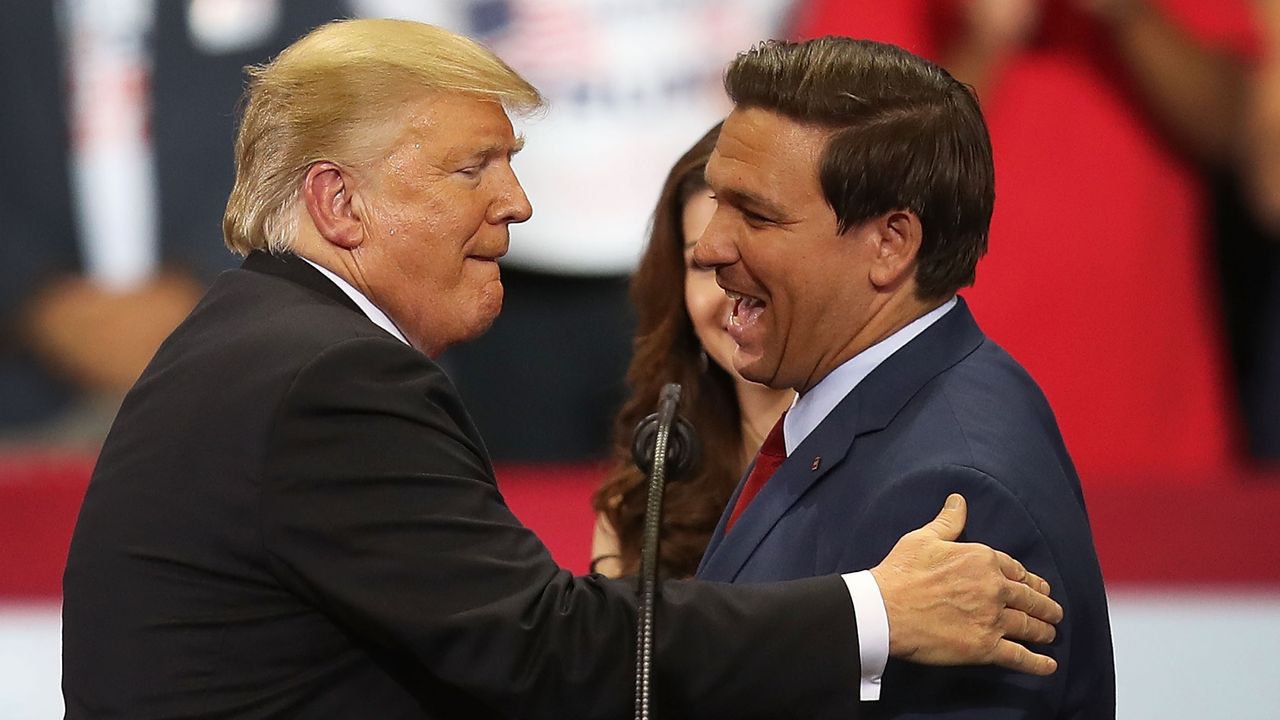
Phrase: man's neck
x=373 y=312
x=311 y=247
x=893 y=315
x=760 y=406
x=811 y=408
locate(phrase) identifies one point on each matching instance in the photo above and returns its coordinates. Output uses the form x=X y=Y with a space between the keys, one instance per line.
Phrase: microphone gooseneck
x=663 y=441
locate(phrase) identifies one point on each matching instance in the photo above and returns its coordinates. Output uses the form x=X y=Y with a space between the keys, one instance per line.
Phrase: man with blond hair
x=294 y=516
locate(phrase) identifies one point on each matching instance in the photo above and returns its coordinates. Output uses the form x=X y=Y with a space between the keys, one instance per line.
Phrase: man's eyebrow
x=496 y=150
x=749 y=201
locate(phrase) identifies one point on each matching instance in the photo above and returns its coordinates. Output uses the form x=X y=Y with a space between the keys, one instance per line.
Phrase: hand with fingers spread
x=951 y=603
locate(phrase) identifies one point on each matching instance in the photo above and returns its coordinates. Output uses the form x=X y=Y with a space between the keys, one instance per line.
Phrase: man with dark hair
x=855 y=188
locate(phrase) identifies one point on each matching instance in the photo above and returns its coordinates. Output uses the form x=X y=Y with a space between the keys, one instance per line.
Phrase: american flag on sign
x=549 y=41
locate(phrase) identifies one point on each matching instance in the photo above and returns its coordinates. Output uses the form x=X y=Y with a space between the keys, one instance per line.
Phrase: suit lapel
x=717 y=535
x=870 y=407
x=830 y=441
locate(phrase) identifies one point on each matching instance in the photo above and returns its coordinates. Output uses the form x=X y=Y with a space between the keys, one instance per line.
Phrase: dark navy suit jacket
x=949 y=412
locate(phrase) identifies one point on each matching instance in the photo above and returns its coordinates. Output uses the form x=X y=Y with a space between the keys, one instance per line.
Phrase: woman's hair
x=667 y=350
x=338 y=94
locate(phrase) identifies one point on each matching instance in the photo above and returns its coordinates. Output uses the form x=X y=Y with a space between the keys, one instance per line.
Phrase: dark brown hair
x=667 y=350
x=905 y=136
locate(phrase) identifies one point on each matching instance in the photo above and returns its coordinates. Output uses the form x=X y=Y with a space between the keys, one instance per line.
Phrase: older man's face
x=436 y=221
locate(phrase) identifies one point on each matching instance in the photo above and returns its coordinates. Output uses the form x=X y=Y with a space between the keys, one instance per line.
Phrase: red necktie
x=771 y=455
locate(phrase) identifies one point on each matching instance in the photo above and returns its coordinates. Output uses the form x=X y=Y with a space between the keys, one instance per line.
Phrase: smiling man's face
x=801 y=288
x=437 y=219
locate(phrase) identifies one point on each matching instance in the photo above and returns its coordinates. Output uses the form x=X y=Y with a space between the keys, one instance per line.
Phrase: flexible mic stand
x=662 y=441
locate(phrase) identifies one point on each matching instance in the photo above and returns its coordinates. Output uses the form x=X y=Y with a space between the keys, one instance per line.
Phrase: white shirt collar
x=378 y=317
x=810 y=409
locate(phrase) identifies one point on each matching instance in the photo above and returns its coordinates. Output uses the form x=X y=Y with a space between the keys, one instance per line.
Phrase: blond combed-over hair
x=335 y=95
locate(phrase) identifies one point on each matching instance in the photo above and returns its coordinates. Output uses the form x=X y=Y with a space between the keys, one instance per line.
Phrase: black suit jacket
x=294 y=517
x=949 y=412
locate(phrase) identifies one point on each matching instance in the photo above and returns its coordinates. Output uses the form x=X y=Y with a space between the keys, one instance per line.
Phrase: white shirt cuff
x=873 y=630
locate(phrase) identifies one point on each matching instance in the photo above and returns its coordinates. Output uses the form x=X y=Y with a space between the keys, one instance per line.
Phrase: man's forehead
x=755 y=129
x=759 y=150
x=459 y=124
x=455 y=113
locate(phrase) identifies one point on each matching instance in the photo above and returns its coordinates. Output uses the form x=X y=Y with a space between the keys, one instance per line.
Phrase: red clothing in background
x=1099 y=277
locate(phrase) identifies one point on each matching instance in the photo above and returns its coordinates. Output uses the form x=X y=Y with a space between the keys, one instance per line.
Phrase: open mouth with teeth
x=746 y=311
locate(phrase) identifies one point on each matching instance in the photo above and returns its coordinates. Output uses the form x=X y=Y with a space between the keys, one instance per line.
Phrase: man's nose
x=715 y=248
x=511 y=204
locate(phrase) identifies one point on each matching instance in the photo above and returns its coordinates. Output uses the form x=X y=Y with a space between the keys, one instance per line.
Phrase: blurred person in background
x=681 y=337
x=137 y=232
x=36 y=216
x=1101 y=113
x=1205 y=77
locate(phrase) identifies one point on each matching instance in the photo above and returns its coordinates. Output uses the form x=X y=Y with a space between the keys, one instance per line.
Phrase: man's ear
x=898 y=238
x=328 y=191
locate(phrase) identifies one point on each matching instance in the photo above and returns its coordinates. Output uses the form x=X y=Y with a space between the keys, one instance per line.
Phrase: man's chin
x=475 y=325
x=752 y=367
x=488 y=306
x=484 y=320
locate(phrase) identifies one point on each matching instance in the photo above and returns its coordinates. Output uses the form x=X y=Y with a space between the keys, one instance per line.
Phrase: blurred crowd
x=1135 y=250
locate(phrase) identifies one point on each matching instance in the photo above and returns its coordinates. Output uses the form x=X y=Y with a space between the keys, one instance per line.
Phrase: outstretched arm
x=378 y=508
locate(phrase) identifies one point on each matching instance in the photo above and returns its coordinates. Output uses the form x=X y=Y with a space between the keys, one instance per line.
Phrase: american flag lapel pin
x=817 y=463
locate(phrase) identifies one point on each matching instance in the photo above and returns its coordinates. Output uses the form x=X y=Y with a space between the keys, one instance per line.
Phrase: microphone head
x=682 y=446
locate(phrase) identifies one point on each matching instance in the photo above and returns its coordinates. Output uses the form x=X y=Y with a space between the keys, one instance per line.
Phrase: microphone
x=683 y=449
x=663 y=443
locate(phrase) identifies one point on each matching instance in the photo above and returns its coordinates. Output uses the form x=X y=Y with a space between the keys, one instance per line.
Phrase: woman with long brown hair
x=681 y=338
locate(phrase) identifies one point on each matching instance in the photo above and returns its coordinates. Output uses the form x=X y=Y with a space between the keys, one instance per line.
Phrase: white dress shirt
x=806 y=413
